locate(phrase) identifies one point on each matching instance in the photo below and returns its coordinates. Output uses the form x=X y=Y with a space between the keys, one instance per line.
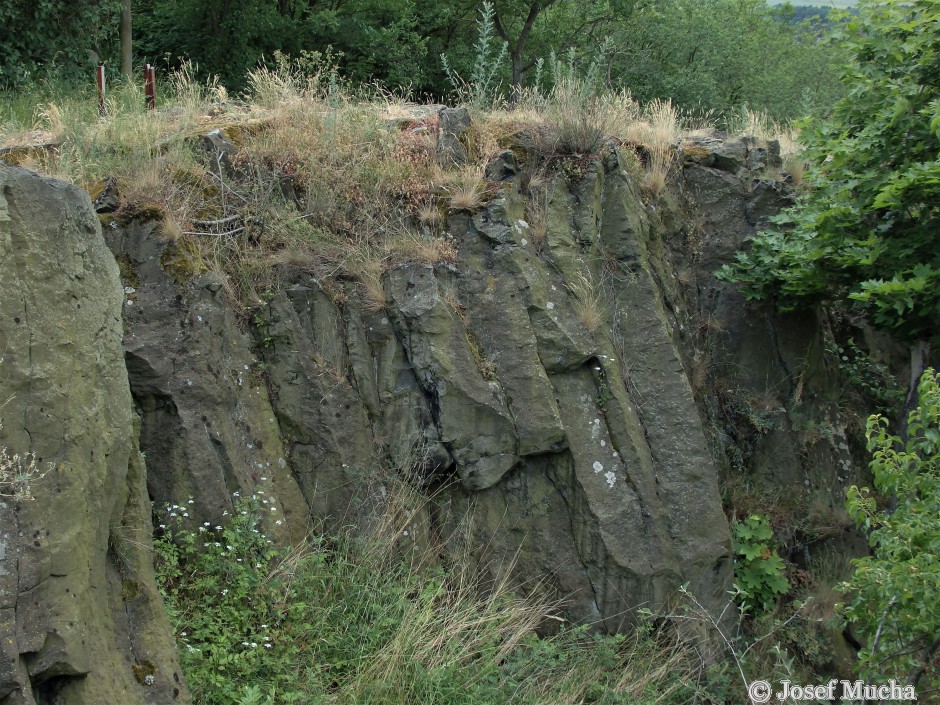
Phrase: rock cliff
x=565 y=394
x=560 y=391
x=81 y=621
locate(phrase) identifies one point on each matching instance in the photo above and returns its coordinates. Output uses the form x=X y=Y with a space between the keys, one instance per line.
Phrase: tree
x=720 y=54
x=127 y=52
x=866 y=231
x=40 y=36
x=372 y=39
x=894 y=594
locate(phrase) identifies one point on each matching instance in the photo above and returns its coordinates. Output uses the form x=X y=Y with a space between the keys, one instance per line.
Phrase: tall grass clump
x=589 y=301
x=141 y=152
x=579 y=115
x=353 y=619
x=656 y=130
x=582 y=119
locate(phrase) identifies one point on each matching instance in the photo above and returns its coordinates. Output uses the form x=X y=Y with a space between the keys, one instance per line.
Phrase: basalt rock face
x=540 y=385
x=565 y=394
x=81 y=621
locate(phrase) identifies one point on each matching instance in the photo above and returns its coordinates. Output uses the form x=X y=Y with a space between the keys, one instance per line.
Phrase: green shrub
x=759 y=571
x=893 y=597
x=871 y=378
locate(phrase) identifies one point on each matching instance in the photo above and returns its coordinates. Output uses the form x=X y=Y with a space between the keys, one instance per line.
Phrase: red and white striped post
x=150 y=86
x=99 y=79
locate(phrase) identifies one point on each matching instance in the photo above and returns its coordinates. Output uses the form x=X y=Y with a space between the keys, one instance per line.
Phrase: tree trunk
x=518 y=71
x=127 y=53
x=920 y=351
x=517 y=47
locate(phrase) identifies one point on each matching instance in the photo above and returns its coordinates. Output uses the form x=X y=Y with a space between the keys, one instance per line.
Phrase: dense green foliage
x=41 y=34
x=703 y=54
x=719 y=54
x=374 y=39
x=344 y=620
x=866 y=231
x=892 y=595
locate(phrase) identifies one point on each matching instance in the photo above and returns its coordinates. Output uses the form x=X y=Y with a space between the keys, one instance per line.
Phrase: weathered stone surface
x=207 y=424
x=219 y=150
x=567 y=377
x=454 y=122
x=318 y=409
x=767 y=198
x=770 y=400
x=69 y=632
x=471 y=412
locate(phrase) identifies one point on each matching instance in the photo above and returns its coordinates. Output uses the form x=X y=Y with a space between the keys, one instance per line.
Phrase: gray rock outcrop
x=81 y=621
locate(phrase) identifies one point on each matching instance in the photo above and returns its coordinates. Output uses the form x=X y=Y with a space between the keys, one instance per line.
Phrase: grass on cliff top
x=336 y=181
x=380 y=620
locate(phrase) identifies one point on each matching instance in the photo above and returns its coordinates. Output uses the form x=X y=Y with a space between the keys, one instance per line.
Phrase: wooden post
x=99 y=78
x=150 y=86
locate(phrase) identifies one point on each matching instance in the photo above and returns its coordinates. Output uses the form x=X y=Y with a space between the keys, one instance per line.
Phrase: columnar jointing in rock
x=599 y=425
x=540 y=386
x=545 y=372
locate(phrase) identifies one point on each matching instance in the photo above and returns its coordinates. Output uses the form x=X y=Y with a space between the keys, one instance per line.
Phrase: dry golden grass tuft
x=754 y=123
x=431 y=216
x=794 y=164
x=538 y=228
x=657 y=129
x=581 y=119
x=371 y=286
x=170 y=228
x=145 y=185
x=589 y=301
x=536 y=215
x=465 y=189
x=413 y=247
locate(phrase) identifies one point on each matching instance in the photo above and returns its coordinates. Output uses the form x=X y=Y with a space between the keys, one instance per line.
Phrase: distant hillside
x=815 y=9
x=843 y=4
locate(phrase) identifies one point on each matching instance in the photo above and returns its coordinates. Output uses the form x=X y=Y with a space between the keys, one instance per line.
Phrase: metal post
x=150 y=86
x=99 y=76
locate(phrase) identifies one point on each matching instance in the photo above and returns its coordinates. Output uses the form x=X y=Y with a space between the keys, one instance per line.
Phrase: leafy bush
x=894 y=594
x=759 y=571
x=871 y=378
x=346 y=620
x=866 y=230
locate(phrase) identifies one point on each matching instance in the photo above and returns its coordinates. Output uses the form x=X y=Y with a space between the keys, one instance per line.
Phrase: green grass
x=346 y=620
